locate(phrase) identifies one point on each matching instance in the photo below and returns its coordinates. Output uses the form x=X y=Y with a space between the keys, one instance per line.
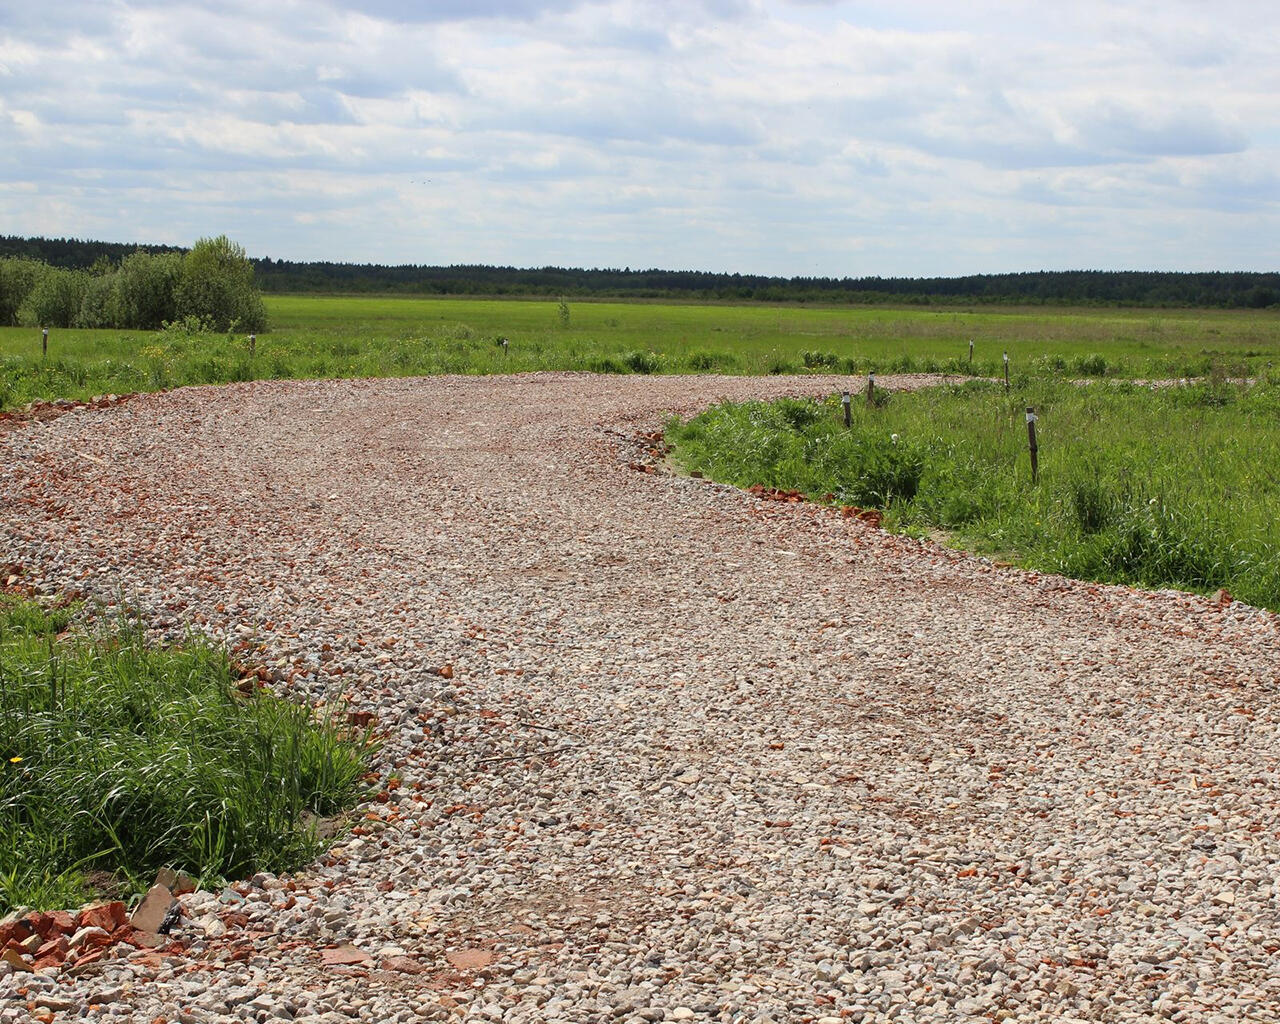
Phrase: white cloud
x=776 y=136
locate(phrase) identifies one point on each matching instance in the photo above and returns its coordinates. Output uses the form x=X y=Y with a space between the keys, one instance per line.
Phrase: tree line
x=209 y=286
x=1216 y=289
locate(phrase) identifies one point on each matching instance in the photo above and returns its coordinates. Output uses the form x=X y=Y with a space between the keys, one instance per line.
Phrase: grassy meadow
x=1170 y=487
x=316 y=336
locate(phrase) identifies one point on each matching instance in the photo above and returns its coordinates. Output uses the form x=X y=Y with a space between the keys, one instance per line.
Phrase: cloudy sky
x=766 y=136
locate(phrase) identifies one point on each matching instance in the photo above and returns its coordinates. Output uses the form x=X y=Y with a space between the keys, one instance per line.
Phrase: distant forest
x=1071 y=287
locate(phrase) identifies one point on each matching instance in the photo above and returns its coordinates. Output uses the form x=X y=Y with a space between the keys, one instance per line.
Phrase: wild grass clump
x=820 y=360
x=1171 y=487
x=122 y=757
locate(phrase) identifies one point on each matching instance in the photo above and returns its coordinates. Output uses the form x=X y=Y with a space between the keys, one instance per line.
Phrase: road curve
x=700 y=756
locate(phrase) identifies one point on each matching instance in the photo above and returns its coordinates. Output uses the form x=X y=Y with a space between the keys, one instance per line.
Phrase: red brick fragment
x=59 y=945
x=344 y=955
x=107 y=916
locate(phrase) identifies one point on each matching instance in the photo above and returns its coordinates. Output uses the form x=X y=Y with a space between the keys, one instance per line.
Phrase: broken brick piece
x=107 y=916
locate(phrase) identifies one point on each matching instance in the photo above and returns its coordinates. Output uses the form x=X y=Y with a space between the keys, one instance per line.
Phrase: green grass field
x=368 y=337
x=1174 y=487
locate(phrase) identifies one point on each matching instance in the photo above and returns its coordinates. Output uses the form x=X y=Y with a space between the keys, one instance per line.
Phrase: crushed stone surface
x=693 y=755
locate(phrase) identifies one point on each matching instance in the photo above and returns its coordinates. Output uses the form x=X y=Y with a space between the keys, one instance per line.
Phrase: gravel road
x=696 y=756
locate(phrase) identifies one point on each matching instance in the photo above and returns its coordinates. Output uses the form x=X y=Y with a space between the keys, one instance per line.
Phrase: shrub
x=147 y=290
x=216 y=284
x=55 y=300
x=100 y=306
x=17 y=278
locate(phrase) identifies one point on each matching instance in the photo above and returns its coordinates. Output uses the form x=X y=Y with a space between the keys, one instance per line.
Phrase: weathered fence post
x=1006 y=373
x=844 y=401
x=970 y=351
x=1031 y=443
x=44 y=343
x=871 y=387
x=253 y=344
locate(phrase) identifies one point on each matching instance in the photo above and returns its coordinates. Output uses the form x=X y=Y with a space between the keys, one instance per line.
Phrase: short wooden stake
x=253 y=344
x=844 y=401
x=44 y=343
x=1031 y=444
x=971 y=352
x=871 y=387
x=1006 y=373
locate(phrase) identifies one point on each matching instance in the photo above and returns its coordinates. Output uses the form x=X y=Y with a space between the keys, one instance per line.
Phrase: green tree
x=17 y=278
x=147 y=290
x=100 y=306
x=55 y=300
x=216 y=286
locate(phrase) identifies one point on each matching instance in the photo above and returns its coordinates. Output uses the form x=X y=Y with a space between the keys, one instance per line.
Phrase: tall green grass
x=120 y=757
x=326 y=337
x=1171 y=487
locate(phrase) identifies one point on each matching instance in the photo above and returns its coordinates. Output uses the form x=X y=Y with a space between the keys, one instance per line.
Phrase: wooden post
x=44 y=343
x=871 y=387
x=970 y=351
x=1006 y=373
x=253 y=344
x=844 y=401
x=1031 y=443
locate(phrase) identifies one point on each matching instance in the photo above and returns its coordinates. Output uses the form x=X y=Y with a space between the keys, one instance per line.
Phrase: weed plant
x=121 y=757
x=1169 y=487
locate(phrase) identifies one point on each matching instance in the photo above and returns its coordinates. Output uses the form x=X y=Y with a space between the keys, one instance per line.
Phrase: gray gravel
x=701 y=757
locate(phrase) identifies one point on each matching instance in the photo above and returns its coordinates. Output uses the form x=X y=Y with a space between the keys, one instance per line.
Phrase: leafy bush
x=216 y=285
x=100 y=306
x=147 y=290
x=55 y=299
x=17 y=278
